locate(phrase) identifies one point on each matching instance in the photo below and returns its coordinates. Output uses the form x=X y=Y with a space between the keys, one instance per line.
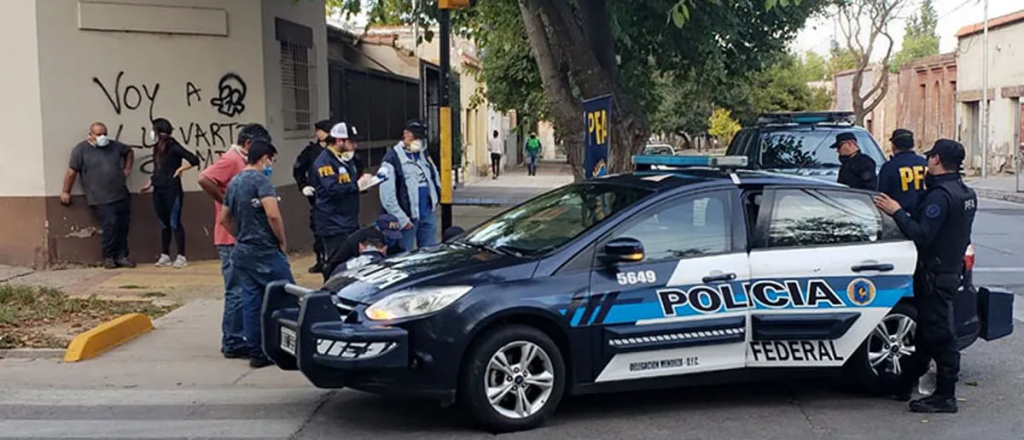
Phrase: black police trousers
x=318 y=242
x=935 y=337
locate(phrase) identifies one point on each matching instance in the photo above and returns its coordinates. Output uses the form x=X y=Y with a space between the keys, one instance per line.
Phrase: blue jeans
x=422 y=234
x=233 y=338
x=254 y=272
x=531 y=164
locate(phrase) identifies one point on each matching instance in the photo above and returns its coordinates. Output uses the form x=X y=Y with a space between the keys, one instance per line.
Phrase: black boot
x=316 y=268
x=903 y=389
x=936 y=403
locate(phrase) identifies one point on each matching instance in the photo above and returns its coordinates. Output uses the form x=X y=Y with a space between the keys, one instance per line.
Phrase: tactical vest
x=945 y=254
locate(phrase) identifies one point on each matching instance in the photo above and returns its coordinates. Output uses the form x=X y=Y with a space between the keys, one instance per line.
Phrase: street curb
x=1007 y=196
x=106 y=336
x=32 y=353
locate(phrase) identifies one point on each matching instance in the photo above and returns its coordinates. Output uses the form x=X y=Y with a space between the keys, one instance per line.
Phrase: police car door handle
x=872 y=267
x=719 y=277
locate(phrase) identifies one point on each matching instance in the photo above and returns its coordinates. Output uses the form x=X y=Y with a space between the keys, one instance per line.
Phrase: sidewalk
x=1003 y=187
x=514 y=186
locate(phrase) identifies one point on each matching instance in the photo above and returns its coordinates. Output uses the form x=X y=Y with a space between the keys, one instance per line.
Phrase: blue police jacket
x=902 y=178
x=337 y=195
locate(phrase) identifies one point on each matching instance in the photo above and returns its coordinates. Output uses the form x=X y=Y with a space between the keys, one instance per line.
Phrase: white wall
x=21 y=170
x=125 y=78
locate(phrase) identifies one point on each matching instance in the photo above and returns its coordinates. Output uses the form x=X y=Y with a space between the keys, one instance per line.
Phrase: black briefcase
x=995 y=311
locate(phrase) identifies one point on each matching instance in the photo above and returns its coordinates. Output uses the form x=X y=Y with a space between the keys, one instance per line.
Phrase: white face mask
x=152 y=136
x=415 y=146
x=102 y=141
x=348 y=155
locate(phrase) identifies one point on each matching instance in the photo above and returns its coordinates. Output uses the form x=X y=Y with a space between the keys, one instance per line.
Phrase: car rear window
x=809 y=148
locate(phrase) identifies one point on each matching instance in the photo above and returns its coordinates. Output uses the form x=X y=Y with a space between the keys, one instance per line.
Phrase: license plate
x=288 y=338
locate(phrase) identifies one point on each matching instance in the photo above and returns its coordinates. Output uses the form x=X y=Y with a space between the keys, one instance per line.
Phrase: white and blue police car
x=690 y=270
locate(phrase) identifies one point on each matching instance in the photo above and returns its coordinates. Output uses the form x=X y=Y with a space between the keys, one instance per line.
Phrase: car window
x=806 y=148
x=551 y=220
x=682 y=228
x=806 y=217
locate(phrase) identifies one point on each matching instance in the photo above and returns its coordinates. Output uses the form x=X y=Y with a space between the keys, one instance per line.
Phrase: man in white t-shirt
x=497 y=149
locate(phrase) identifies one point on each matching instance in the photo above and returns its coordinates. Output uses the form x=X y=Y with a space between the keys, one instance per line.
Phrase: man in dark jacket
x=336 y=214
x=386 y=226
x=902 y=177
x=304 y=175
x=857 y=170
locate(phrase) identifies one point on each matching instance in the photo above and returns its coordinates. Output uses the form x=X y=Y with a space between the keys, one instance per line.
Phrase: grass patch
x=41 y=317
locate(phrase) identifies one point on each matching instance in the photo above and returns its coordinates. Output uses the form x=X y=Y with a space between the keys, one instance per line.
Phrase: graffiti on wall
x=139 y=101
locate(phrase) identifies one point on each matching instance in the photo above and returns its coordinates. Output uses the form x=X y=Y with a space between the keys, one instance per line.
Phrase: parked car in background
x=659 y=150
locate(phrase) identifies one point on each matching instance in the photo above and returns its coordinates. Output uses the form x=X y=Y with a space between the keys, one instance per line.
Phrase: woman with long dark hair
x=170 y=160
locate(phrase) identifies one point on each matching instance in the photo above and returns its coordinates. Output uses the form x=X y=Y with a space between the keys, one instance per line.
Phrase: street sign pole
x=446 y=118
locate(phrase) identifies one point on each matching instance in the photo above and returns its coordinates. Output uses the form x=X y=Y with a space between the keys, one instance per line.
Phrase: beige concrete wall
x=1006 y=50
x=21 y=166
x=126 y=78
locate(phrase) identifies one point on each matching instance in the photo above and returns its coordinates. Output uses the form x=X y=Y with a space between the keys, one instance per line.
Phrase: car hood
x=442 y=265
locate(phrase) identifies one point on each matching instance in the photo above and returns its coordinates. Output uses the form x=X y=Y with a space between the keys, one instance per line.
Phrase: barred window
x=298 y=76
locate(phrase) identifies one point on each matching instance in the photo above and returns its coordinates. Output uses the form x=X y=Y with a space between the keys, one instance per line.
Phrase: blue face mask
x=268 y=170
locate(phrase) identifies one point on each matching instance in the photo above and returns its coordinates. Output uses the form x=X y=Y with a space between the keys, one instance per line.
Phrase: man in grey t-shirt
x=104 y=165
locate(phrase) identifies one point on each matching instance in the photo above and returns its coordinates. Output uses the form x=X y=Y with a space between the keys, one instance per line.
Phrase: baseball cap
x=902 y=138
x=388 y=225
x=417 y=128
x=343 y=130
x=843 y=137
x=324 y=126
x=949 y=150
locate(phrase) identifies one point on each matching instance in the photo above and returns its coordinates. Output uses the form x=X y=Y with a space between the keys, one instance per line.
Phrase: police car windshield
x=809 y=148
x=549 y=221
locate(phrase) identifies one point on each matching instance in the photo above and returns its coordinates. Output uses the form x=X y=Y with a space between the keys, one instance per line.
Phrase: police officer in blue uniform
x=941 y=229
x=336 y=214
x=857 y=169
x=902 y=177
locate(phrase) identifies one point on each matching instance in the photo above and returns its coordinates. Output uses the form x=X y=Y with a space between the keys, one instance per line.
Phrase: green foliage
x=841 y=59
x=721 y=125
x=920 y=39
x=815 y=67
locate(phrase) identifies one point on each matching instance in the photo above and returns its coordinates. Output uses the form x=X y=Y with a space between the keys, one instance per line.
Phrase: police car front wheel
x=514 y=378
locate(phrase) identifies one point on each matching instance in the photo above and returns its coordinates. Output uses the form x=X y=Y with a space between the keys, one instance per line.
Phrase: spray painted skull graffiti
x=231 y=101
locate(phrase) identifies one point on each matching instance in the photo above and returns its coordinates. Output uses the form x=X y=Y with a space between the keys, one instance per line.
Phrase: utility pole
x=445 y=23
x=984 y=97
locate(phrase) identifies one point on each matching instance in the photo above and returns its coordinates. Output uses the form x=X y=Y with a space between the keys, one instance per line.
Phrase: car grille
x=346 y=308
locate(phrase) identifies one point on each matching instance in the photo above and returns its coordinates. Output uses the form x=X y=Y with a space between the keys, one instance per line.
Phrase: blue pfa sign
x=597 y=139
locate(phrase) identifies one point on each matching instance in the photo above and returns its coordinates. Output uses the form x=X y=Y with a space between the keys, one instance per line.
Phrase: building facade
x=208 y=66
x=1005 y=90
x=926 y=101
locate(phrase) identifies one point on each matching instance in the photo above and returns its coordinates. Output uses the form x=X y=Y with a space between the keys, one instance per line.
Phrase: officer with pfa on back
x=941 y=229
x=902 y=177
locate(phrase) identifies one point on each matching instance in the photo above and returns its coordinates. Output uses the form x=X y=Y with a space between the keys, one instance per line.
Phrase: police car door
x=825 y=269
x=675 y=311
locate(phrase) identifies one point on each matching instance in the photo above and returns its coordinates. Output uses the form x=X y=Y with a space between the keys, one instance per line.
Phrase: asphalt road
x=992 y=393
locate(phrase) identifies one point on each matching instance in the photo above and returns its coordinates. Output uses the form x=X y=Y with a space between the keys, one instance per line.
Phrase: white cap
x=342 y=130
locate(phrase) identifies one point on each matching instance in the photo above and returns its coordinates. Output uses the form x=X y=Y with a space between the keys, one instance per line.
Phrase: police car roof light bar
x=648 y=161
x=838 y=117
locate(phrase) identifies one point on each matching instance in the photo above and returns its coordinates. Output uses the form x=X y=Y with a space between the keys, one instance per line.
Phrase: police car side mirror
x=622 y=250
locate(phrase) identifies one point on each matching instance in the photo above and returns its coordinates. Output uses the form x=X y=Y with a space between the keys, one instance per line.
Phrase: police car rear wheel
x=881 y=358
x=514 y=379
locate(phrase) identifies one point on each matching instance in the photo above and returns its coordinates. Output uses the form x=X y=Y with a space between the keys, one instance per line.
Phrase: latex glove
x=383 y=174
x=308 y=191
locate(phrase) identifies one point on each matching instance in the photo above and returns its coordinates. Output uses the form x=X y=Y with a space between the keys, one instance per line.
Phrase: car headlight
x=415 y=302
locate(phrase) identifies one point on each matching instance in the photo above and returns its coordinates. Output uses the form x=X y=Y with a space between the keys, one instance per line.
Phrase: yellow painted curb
x=108 y=335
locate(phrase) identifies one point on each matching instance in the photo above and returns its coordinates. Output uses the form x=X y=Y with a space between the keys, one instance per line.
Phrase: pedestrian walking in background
x=305 y=175
x=532 y=149
x=857 y=170
x=497 y=149
x=170 y=161
x=412 y=193
x=941 y=229
x=386 y=225
x=105 y=165
x=252 y=215
x=337 y=194
x=214 y=182
x=903 y=176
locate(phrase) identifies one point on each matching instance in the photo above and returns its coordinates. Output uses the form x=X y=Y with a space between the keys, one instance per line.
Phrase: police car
x=688 y=271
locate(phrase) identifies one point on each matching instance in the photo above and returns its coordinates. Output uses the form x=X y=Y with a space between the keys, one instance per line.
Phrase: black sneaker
x=235 y=354
x=935 y=404
x=125 y=262
x=316 y=268
x=260 y=362
x=109 y=263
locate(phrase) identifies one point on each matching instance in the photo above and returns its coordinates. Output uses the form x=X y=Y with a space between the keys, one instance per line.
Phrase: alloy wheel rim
x=519 y=379
x=890 y=342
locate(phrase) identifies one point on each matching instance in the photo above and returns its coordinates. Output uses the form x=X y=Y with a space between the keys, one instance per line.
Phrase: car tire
x=537 y=400
x=880 y=379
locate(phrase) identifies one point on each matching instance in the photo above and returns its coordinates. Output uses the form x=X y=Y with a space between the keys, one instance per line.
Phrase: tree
x=722 y=125
x=920 y=39
x=876 y=15
x=815 y=67
x=840 y=59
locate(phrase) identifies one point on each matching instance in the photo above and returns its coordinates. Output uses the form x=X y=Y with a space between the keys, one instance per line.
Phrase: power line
x=954 y=10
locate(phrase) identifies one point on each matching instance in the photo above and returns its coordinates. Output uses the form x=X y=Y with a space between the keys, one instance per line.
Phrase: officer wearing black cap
x=305 y=174
x=857 y=170
x=941 y=229
x=902 y=177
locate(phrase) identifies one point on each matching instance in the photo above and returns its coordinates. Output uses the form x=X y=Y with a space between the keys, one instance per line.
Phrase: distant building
x=882 y=118
x=1006 y=88
x=925 y=102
